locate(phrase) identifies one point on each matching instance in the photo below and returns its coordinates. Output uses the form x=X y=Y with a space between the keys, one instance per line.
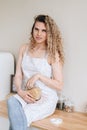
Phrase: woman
x=40 y=63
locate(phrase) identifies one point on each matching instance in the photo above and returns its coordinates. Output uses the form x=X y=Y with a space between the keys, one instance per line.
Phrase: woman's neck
x=40 y=47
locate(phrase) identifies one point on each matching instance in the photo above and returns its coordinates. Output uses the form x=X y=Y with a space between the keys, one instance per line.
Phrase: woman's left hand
x=32 y=80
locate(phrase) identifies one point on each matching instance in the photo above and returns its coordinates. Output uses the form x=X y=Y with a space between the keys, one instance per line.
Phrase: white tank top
x=31 y=66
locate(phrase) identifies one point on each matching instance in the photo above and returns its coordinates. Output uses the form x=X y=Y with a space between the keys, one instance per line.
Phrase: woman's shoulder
x=24 y=47
x=54 y=59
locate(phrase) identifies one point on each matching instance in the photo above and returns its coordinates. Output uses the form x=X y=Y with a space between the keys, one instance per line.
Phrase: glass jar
x=61 y=102
x=69 y=106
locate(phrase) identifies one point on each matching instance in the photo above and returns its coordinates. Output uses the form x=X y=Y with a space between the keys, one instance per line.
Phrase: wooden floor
x=71 y=121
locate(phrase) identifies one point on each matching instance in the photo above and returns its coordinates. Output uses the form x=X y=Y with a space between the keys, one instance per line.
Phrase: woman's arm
x=56 y=81
x=19 y=76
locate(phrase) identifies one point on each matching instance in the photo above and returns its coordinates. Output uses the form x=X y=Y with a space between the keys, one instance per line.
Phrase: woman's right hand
x=26 y=96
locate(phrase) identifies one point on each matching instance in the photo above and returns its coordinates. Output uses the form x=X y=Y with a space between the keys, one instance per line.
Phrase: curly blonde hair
x=54 y=40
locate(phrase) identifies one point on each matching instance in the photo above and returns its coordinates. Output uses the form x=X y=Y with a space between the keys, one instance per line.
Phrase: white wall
x=16 y=17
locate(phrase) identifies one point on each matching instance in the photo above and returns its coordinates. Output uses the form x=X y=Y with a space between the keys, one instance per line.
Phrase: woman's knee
x=11 y=101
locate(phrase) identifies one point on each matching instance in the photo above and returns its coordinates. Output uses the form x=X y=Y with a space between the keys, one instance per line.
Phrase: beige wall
x=16 y=17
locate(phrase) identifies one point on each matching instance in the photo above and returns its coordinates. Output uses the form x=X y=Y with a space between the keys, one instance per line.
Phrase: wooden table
x=71 y=121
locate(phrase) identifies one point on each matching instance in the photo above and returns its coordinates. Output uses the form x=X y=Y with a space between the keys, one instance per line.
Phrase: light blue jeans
x=16 y=115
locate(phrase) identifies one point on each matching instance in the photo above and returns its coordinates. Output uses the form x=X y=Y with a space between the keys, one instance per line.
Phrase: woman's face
x=39 y=32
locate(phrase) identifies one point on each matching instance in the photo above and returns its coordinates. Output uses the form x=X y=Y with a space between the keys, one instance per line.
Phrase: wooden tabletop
x=71 y=121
